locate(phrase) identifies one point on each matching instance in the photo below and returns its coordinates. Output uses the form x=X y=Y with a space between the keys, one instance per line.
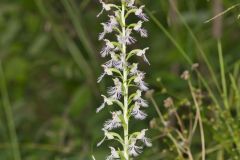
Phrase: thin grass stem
x=223 y=78
x=9 y=116
x=199 y=118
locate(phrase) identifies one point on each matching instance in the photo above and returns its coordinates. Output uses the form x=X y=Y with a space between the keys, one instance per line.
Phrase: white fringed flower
x=133 y=149
x=127 y=39
x=138 y=28
x=143 y=86
x=134 y=69
x=107 y=71
x=141 y=53
x=107 y=48
x=144 y=139
x=107 y=136
x=115 y=122
x=114 y=154
x=120 y=63
x=107 y=101
x=116 y=91
x=113 y=21
x=139 y=77
x=139 y=81
x=106 y=7
x=130 y=3
x=108 y=27
x=139 y=100
x=140 y=14
x=137 y=113
x=115 y=61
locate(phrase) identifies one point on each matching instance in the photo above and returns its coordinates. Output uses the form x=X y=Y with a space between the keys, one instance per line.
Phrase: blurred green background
x=50 y=61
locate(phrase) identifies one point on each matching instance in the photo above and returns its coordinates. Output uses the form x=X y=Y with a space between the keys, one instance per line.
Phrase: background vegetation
x=49 y=62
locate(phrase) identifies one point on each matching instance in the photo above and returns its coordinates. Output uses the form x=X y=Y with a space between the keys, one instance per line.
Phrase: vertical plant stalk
x=199 y=119
x=217 y=23
x=124 y=74
x=223 y=78
x=9 y=115
x=125 y=86
x=172 y=15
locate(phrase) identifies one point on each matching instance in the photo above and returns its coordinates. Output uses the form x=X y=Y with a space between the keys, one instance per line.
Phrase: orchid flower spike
x=126 y=104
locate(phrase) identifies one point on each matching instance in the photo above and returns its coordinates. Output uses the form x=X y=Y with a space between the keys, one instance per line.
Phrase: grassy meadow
x=50 y=62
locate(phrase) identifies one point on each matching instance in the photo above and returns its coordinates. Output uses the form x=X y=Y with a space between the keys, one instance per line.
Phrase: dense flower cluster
x=125 y=75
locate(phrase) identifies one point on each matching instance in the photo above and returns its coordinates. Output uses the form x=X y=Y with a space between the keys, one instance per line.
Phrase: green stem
x=8 y=111
x=125 y=87
x=199 y=47
x=170 y=136
x=223 y=78
x=199 y=119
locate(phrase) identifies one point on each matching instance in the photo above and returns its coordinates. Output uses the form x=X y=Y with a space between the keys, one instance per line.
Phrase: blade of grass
x=63 y=40
x=199 y=119
x=71 y=9
x=222 y=13
x=223 y=78
x=199 y=47
x=9 y=116
x=237 y=94
x=177 y=45
x=201 y=77
x=224 y=94
x=184 y=54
